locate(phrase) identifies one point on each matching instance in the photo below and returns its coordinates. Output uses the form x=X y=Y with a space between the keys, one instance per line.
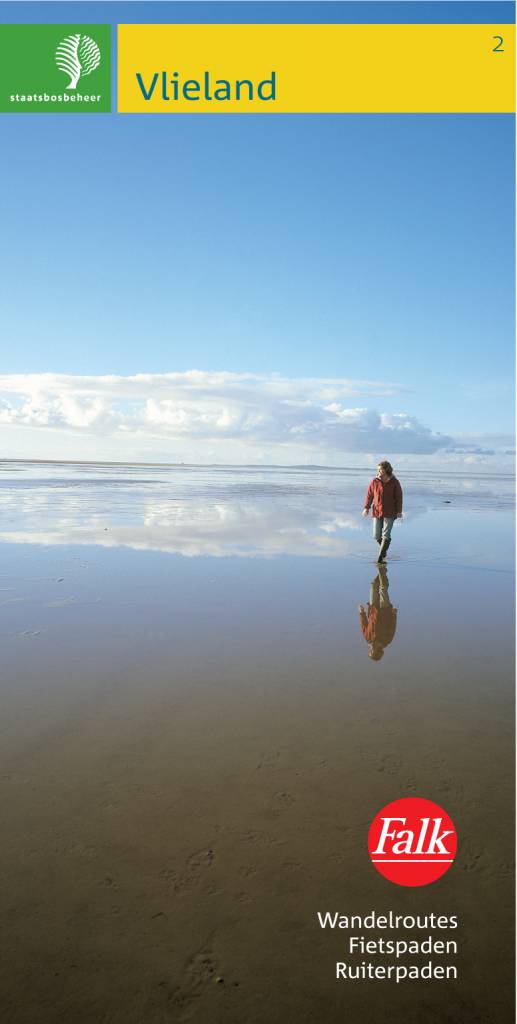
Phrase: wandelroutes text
x=411 y=951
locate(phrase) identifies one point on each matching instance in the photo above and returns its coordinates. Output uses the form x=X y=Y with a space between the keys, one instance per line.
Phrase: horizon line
x=246 y=465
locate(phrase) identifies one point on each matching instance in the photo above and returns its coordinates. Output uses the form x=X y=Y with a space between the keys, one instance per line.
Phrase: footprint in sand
x=196 y=866
x=200 y=971
x=268 y=761
x=470 y=861
x=168 y=875
x=390 y=764
x=283 y=798
x=108 y=882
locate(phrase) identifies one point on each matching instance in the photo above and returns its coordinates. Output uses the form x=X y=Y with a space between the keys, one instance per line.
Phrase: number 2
x=498 y=48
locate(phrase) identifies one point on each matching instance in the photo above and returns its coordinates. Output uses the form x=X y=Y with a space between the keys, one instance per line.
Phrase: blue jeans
x=382 y=528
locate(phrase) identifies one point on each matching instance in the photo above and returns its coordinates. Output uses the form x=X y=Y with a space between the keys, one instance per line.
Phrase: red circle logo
x=412 y=841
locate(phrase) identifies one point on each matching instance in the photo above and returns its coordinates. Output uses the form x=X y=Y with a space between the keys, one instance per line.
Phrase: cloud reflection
x=198 y=511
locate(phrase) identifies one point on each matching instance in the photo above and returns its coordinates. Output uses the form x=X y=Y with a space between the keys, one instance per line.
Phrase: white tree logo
x=77 y=56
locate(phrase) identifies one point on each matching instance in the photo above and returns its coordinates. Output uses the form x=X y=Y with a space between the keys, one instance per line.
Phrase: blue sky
x=254 y=11
x=372 y=248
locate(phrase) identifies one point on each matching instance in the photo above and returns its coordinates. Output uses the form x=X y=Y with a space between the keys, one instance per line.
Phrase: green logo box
x=55 y=69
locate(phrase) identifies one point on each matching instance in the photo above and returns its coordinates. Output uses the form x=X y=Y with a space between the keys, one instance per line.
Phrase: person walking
x=378 y=625
x=385 y=494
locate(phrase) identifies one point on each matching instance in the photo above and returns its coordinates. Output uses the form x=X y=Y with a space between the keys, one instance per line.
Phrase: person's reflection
x=379 y=625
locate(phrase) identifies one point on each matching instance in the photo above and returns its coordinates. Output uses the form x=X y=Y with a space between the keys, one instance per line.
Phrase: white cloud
x=244 y=415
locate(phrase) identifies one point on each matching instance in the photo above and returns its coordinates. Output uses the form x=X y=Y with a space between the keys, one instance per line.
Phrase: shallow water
x=195 y=738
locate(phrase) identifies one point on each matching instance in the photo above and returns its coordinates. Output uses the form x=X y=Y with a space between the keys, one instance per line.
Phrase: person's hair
x=387 y=467
x=375 y=652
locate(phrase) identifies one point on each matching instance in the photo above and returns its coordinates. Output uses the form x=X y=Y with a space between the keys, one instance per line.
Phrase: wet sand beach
x=195 y=741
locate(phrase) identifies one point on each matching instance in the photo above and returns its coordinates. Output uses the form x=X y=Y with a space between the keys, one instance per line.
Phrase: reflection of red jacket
x=380 y=625
x=386 y=498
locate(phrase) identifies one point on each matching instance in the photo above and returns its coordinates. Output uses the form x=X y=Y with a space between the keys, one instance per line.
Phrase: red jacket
x=386 y=498
x=380 y=625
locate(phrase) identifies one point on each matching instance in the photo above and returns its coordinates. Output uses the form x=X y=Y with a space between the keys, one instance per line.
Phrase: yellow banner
x=316 y=69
